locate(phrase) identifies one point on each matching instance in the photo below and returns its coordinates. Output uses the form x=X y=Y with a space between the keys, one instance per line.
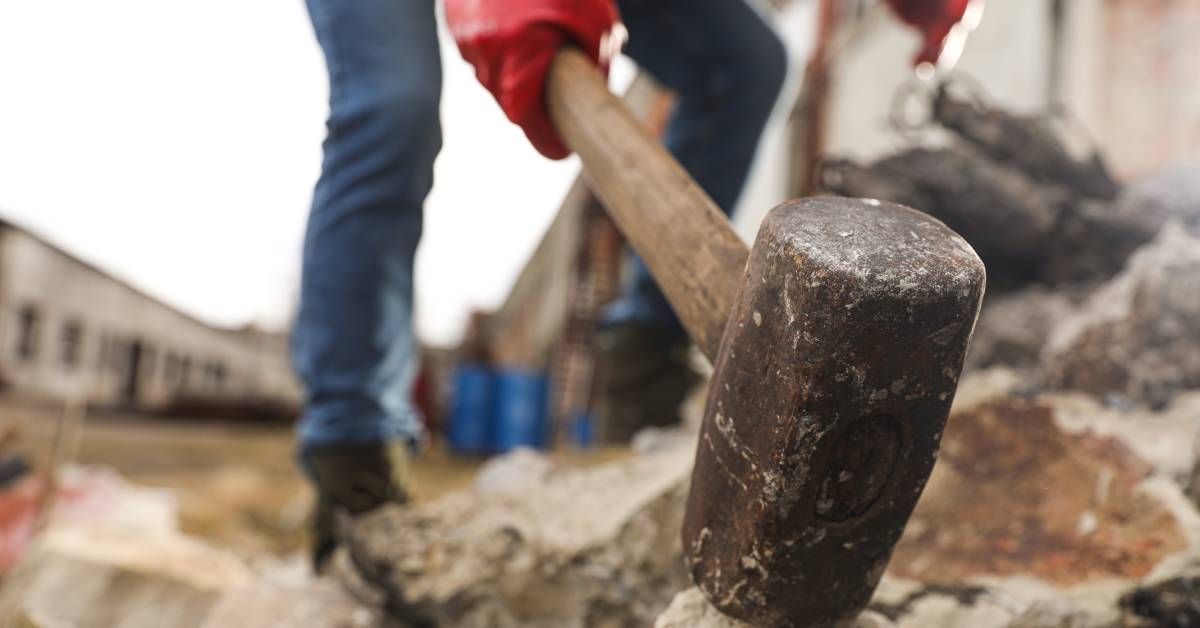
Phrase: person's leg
x=726 y=67
x=353 y=343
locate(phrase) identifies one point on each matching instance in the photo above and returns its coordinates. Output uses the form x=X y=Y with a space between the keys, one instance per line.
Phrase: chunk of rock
x=1000 y=603
x=1014 y=493
x=520 y=472
x=1137 y=336
x=97 y=578
x=312 y=604
x=1174 y=602
x=1028 y=144
x=592 y=547
x=690 y=609
x=1172 y=194
x=1007 y=218
x=1013 y=328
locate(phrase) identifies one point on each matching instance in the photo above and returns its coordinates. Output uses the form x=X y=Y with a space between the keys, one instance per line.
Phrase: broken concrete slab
x=1008 y=218
x=1172 y=194
x=1030 y=144
x=1164 y=439
x=595 y=546
x=1016 y=602
x=1136 y=338
x=313 y=604
x=1092 y=488
x=690 y=609
x=983 y=603
x=95 y=578
x=1015 y=494
x=1013 y=328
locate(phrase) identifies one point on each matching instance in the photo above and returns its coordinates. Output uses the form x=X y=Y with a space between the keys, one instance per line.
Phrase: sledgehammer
x=837 y=343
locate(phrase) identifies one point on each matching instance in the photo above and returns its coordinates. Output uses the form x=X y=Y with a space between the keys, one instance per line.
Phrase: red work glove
x=511 y=44
x=934 y=19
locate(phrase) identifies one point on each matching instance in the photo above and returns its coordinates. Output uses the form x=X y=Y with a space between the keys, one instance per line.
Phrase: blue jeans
x=353 y=343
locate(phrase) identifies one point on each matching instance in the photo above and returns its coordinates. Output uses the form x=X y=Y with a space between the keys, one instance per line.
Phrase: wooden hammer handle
x=685 y=240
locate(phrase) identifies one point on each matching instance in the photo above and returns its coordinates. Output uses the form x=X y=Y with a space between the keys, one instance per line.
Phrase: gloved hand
x=511 y=44
x=934 y=19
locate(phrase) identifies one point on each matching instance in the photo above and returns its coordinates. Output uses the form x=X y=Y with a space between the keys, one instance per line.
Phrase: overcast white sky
x=175 y=144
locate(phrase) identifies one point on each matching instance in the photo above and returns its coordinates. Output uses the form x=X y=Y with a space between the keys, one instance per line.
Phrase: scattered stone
x=1138 y=336
x=1007 y=218
x=1028 y=144
x=1092 y=242
x=516 y=473
x=97 y=578
x=1035 y=212
x=1013 y=328
x=1015 y=494
x=1000 y=603
x=1166 y=439
x=596 y=546
x=316 y=604
x=1174 y=603
x=690 y=609
x=1172 y=194
x=651 y=439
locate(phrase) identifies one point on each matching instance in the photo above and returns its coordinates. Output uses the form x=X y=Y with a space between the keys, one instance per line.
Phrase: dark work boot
x=646 y=377
x=354 y=479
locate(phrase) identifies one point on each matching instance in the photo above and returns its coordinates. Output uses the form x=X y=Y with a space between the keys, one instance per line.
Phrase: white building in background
x=69 y=331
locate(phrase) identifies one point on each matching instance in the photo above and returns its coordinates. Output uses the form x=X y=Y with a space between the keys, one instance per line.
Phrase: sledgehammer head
x=832 y=386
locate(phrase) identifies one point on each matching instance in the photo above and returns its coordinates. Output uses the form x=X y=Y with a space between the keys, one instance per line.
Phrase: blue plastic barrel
x=470 y=428
x=520 y=403
x=581 y=432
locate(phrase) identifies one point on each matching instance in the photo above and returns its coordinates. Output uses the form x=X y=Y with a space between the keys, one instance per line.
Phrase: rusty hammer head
x=832 y=386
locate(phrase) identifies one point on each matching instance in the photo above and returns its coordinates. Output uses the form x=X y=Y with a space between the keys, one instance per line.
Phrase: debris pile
x=1136 y=336
x=574 y=547
x=1034 y=212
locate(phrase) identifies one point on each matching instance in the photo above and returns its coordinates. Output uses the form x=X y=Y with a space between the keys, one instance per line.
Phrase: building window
x=149 y=362
x=185 y=371
x=118 y=355
x=72 y=344
x=215 y=374
x=102 y=352
x=170 y=372
x=28 y=324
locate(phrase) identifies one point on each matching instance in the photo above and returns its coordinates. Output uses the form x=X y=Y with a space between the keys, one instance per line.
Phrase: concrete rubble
x=690 y=609
x=112 y=556
x=1046 y=512
x=581 y=547
x=1013 y=328
x=1134 y=339
x=1137 y=336
x=91 y=577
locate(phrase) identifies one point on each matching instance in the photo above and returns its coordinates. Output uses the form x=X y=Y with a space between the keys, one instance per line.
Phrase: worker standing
x=354 y=346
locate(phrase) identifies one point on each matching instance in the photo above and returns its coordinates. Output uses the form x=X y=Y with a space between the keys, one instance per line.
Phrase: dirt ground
x=236 y=484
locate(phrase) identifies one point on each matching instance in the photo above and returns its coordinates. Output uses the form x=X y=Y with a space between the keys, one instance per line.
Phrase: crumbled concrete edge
x=690 y=609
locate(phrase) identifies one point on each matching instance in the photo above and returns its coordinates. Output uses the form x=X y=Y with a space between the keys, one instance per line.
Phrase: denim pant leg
x=726 y=67
x=353 y=343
